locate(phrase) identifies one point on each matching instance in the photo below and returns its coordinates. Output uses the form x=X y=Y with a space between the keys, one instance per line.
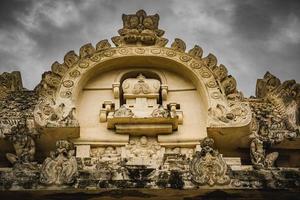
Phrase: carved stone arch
x=194 y=69
x=220 y=112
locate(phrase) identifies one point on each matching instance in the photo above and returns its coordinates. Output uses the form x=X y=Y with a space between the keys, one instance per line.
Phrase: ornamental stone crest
x=208 y=166
x=61 y=167
x=140 y=29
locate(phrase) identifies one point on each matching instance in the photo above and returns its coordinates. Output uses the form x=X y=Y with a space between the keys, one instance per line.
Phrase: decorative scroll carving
x=70 y=59
x=196 y=52
x=276 y=117
x=50 y=114
x=59 y=69
x=211 y=61
x=266 y=85
x=284 y=97
x=140 y=28
x=234 y=113
x=178 y=45
x=123 y=112
x=86 y=50
x=61 y=167
x=24 y=146
x=103 y=45
x=229 y=85
x=269 y=125
x=208 y=166
x=269 y=128
x=227 y=82
x=161 y=112
x=220 y=72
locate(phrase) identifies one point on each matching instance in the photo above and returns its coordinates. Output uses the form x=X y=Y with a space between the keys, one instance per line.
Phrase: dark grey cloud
x=10 y=9
x=249 y=37
x=258 y=19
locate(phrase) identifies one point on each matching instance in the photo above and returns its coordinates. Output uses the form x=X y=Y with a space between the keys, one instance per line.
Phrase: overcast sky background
x=250 y=37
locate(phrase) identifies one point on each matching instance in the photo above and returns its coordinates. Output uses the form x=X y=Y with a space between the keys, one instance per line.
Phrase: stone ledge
x=151 y=194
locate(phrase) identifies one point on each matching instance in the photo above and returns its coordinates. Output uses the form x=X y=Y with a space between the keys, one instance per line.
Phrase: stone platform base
x=166 y=194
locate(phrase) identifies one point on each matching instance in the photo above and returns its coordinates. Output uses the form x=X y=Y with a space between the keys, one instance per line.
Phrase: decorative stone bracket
x=107 y=106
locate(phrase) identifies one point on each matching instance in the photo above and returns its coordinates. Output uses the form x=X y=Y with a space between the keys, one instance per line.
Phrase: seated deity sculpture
x=23 y=144
x=110 y=154
x=142 y=151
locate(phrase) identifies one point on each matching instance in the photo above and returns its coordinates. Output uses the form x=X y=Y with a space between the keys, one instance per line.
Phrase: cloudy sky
x=250 y=37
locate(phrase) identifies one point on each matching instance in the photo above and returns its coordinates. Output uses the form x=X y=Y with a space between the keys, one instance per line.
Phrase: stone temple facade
x=140 y=114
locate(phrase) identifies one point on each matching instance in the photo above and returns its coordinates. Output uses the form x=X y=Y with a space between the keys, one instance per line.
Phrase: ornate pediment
x=140 y=29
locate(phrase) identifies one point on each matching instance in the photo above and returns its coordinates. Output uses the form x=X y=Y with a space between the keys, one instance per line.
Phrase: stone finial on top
x=140 y=29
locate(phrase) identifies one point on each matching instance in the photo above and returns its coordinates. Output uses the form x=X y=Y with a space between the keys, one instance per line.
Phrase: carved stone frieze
x=208 y=166
x=275 y=117
x=269 y=125
x=50 y=114
x=233 y=114
x=284 y=97
x=143 y=151
x=17 y=105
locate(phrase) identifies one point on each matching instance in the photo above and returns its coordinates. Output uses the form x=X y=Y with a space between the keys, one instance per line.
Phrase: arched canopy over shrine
x=213 y=98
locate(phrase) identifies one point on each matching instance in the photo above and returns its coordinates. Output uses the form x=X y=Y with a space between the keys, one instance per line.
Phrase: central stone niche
x=141 y=111
x=119 y=104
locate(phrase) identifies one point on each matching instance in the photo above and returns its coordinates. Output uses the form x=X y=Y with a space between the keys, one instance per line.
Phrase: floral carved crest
x=61 y=167
x=140 y=28
x=208 y=166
